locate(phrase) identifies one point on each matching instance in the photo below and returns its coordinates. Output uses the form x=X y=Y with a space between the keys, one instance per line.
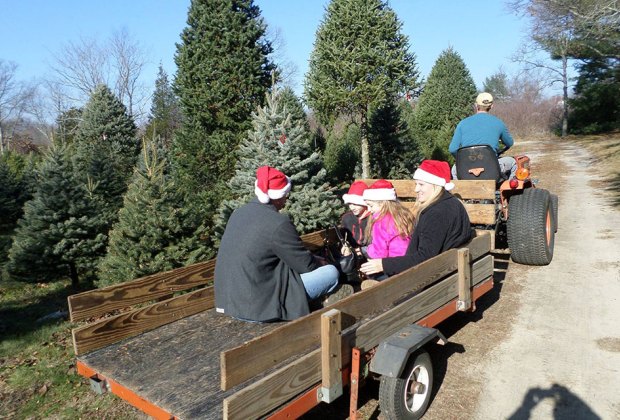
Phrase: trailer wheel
x=555 y=202
x=530 y=226
x=407 y=397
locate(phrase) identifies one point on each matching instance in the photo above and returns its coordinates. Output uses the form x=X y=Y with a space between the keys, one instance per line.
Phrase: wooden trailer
x=158 y=343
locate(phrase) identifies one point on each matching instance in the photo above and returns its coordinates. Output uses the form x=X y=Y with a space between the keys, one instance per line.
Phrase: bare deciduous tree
x=118 y=63
x=15 y=100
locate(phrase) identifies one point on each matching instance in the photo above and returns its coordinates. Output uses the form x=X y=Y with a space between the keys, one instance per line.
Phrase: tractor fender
x=393 y=353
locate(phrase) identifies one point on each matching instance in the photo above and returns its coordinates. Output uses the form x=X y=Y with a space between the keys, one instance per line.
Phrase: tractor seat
x=478 y=163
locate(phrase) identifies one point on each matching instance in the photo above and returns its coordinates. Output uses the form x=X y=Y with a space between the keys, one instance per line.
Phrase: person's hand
x=345 y=250
x=372 y=266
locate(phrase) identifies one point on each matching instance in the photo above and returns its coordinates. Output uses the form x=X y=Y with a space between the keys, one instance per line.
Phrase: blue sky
x=483 y=32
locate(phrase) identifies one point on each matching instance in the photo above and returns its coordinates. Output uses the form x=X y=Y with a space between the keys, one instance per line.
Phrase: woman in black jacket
x=441 y=221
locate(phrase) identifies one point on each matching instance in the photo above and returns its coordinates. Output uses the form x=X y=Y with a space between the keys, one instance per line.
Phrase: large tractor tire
x=530 y=226
x=555 y=202
x=408 y=397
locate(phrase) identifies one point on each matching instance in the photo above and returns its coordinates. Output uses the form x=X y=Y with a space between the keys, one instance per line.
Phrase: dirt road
x=545 y=343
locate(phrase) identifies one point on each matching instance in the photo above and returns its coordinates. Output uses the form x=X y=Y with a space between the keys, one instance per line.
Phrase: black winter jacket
x=443 y=225
x=258 y=266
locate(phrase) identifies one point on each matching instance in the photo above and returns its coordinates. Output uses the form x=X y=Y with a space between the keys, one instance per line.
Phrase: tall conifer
x=448 y=97
x=223 y=74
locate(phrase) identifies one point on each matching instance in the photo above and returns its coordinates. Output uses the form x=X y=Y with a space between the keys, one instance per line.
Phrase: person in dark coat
x=441 y=221
x=263 y=272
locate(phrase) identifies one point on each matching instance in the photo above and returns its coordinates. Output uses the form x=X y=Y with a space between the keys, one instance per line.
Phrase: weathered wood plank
x=255 y=356
x=105 y=300
x=483 y=190
x=331 y=347
x=464 y=280
x=479 y=214
x=275 y=389
x=129 y=324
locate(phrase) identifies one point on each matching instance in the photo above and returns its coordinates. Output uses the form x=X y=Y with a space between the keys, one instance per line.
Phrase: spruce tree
x=60 y=234
x=360 y=62
x=151 y=234
x=281 y=141
x=223 y=74
x=165 y=116
x=107 y=148
x=448 y=97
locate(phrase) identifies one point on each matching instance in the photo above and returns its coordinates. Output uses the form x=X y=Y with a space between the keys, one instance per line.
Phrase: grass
x=37 y=365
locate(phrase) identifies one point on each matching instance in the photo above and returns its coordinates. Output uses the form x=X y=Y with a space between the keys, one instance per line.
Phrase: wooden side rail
x=98 y=302
x=255 y=356
x=129 y=324
x=272 y=391
x=479 y=214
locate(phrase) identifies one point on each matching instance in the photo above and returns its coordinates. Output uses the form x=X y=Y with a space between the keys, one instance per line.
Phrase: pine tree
x=60 y=233
x=151 y=234
x=67 y=125
x=107 y=148
x=447 y=98
x=223 y=74
x=280 y=141
x=165 y=117
x=360 y=62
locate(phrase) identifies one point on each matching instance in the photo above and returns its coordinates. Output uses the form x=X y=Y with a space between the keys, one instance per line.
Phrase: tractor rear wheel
x=530 y=226
x=555 y=202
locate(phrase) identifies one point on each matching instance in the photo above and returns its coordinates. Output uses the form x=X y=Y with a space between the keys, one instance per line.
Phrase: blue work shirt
x=479 y=129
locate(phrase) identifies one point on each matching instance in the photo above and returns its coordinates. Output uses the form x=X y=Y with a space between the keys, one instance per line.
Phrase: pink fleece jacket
x=386 y=242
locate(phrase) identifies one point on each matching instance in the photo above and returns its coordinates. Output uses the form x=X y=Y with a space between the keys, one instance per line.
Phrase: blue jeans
x=320 y=281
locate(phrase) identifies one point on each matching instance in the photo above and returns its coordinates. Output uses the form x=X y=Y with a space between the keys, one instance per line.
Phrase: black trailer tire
x=555 y=202
x=530 y=227
x=408 y=397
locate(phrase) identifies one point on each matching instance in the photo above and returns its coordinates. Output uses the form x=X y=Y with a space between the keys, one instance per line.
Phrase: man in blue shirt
x=484 y=128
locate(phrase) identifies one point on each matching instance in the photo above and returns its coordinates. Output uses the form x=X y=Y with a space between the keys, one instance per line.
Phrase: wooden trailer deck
x=176 y=367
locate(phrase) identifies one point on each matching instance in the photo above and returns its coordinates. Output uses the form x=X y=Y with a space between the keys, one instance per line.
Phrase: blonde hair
x=403 y=219
x=418 y=207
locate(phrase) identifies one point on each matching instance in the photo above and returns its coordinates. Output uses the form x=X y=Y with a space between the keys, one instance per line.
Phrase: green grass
x=37 y=365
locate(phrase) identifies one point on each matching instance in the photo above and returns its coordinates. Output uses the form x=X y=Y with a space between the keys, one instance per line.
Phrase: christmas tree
x=283 y=142
x=151 y=234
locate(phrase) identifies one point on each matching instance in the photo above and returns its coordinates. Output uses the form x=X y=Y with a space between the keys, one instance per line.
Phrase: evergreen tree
x=223 y=74
x=393 y=155
x=165 y=117
x=279 y=141
x=107 y=148
x=342 y=157
x=447 y=97
x=16 y=188
x=360 y=62
x=151 y=233
x=497 y=85
x=60 y=233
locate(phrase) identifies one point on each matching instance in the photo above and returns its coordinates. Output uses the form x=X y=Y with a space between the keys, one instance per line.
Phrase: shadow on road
x=567 y=405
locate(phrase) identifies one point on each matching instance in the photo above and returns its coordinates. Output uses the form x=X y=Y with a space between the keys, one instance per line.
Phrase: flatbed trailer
x=158 y=343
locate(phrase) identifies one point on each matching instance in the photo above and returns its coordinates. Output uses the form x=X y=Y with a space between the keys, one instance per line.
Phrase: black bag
x=348 y=264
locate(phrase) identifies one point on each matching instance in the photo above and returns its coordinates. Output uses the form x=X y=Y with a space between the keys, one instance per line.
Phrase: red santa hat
x=270 y=184
x=355 y=194
x=381 y=190
x=434 y=172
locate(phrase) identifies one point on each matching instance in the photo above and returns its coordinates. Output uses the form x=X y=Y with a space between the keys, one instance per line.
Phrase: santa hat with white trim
x=356 y=194
x=381 y=190
x=434 y=172
x=270 y=184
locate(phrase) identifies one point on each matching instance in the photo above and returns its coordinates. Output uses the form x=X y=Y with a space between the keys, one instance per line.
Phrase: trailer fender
x=393 y=353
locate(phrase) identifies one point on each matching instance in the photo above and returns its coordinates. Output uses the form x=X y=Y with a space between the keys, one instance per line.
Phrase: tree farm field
x=37 y=365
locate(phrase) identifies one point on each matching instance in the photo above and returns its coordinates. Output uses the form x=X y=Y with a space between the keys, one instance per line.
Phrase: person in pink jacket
x=390 y=226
